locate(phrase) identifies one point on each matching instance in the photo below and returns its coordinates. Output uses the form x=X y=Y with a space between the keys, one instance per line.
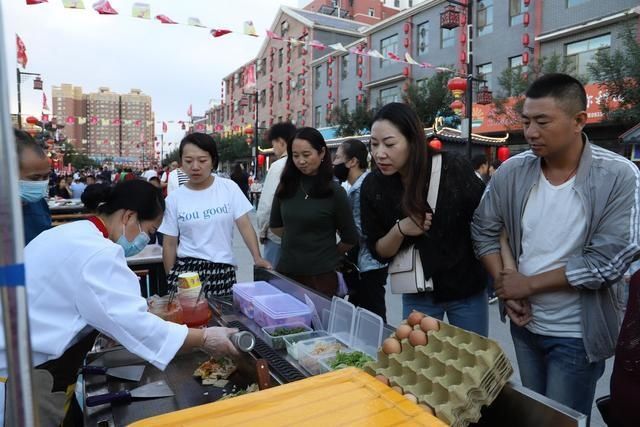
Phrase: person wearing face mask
x=95 y=291
x=366 y=283
x=33 y=185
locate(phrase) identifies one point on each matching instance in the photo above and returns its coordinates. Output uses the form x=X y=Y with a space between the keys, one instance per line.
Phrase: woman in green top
x=309 y=208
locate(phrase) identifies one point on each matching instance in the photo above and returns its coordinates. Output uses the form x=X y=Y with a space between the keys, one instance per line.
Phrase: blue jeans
x=271 y=252
x=557 y=368
x=470 y=313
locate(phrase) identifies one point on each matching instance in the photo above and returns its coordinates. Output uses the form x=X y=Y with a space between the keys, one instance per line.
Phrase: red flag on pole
x=164 y=127
x=44 y=101
x=21 y=52
x=190 y=111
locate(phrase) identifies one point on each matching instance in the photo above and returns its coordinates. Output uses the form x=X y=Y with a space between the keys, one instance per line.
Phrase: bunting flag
x=141 y=10
x=273 y=36
x=219 y=32
x=93 y=120
x=70 y=120
x=82 y=120
x=137 y=123
x=199 y=127
x=394 y=56
x=44 y=101
x=116 y=122
x=410 y=60
x=164 y=127
x=249 y=29
x=339 y=47
x=73 y=4
x=375 y=54
x=165 y=19
x=104 y=8
x=317 y=45
x=105 y=122
x=295 y=42
x=44 y=117
x=195 y=22
x=30 y=2
x=190 y=111
x=21 y=52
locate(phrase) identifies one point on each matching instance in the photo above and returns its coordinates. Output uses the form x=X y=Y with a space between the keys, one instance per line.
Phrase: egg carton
x=456 y=373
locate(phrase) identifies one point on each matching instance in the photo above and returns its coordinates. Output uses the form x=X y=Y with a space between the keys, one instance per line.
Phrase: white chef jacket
x=76 y=278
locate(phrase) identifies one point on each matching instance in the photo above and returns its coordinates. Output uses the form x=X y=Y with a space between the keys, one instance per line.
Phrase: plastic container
x=277 y=342
x=291 y=341
x=196 y=311
x=311 y=351
x=170 y=312
x=280 y=309
x=243 y=294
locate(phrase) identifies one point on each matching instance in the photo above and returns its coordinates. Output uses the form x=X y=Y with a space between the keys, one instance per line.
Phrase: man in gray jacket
x=571 y=213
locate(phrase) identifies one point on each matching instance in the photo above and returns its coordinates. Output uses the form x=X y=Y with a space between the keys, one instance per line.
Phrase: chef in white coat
x=79 y=284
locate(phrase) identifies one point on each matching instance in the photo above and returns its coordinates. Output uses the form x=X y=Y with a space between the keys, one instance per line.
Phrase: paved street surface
x=497 y=330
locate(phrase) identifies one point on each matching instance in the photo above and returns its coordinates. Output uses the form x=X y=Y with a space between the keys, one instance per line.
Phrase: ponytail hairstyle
x=135 y=195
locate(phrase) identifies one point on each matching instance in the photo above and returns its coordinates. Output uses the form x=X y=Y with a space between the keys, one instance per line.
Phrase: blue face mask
x=33 y=191
x=136 y=246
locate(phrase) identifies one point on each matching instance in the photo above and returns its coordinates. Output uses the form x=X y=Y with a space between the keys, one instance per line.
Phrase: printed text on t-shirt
x=205 y=214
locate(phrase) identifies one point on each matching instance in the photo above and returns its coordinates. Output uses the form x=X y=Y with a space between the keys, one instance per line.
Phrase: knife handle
x=262 y=372
x=122 y=396
x=93 y=370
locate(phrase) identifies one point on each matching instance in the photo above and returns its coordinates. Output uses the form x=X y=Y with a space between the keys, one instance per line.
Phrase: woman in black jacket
x=395 y=214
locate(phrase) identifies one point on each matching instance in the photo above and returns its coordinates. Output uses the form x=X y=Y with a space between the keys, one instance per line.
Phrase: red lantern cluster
x=503 y=153
x=435 y=144
x=457 y=86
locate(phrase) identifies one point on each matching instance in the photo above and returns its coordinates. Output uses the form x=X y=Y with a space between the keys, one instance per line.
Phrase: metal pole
x=469 y=100
x=255 y=142
x=161 y=148
x=19 y=99
x=20 y=407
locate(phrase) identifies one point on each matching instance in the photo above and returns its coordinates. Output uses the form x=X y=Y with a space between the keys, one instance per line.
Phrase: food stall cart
x=515 y=405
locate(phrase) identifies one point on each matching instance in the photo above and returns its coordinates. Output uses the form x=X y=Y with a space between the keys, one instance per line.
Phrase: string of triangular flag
x=143 y=11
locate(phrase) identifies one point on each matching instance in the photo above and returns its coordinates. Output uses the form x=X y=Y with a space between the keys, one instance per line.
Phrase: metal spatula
x=130 y=373
x=148 y=391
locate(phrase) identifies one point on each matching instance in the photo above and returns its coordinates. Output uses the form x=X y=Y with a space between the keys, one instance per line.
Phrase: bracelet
x=400 y=229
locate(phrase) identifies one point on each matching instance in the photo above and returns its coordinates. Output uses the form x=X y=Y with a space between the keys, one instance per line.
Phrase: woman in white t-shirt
x=199 y=219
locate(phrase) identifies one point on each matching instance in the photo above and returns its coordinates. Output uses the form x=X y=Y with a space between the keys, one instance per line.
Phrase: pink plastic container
x=280 y=309
x=244 y=293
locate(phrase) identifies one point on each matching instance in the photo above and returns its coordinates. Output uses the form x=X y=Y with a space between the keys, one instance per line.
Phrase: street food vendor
x=78 y=284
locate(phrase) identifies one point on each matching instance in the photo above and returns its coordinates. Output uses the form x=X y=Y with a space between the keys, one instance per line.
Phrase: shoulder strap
x=434 y=181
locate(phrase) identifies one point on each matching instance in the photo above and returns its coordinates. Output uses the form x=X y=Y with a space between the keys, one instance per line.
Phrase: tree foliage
x=619 y=73
x=77 y=160
x=351 y=123
x=432 y=98
x=233 y=147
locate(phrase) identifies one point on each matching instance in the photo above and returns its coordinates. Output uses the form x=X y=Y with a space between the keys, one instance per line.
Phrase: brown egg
x=417 y=338
x=384 y=380
x=427 y=408
x=429 y=324
x=397 y=388
x=411 y=397
x=403 y=331
x=415 y=318
x=391 y=345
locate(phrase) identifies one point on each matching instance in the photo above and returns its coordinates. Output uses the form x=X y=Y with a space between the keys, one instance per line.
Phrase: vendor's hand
x=261 y=262
x=415 y=226
x=519 y=311
x=216 y=342
x=512 y=285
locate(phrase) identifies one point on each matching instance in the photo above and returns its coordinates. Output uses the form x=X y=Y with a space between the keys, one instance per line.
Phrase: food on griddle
x=215 y=371
x=250 y=389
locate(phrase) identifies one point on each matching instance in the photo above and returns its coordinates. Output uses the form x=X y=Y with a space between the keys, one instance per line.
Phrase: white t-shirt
x=177 y=178
x=204 y=220
x=149 y=173
x=553 y=228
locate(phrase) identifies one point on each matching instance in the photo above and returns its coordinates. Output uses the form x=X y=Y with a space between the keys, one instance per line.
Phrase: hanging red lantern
x=359 y=84
x=525 y=57
x=330 y=60
x=435 y=144
x=457 y=86
x=288 y=69
x=463 y=37
x=248 y=130
x=359 y=59
x=407 y=27
x=330 y=94
x=463 y=57
x=525 y=39
x=359 y=98
x=405 y=71
x=525 y=19
x=302 y=122
x=359 y=72
x=260 y=160
x=463 y=19
x=304 y=62
x=32 y=120
x=457 y=106
x=406 y=42
x=288 y=106
x=330 y=72
x=330 y=83
x=302 y=92
x=503 y=153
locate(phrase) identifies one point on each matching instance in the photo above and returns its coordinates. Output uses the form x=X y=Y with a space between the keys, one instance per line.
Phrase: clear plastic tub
x=277 y=341
x=280 y=309
x=291 y=341
x=244 y=293
x=325 y=362
x=311 y=351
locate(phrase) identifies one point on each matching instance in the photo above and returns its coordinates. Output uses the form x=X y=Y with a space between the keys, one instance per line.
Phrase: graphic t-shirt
x=204 y=220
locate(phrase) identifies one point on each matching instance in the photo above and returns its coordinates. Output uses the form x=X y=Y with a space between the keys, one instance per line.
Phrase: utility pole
x=37 y=85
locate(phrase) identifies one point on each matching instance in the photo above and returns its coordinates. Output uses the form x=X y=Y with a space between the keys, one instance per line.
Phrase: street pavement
x=498 y=330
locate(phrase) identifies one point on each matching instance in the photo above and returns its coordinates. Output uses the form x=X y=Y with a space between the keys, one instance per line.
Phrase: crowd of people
x=550 y=234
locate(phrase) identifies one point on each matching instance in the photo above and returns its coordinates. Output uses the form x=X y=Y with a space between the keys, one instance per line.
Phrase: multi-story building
x=106 y=124
x=366 y=11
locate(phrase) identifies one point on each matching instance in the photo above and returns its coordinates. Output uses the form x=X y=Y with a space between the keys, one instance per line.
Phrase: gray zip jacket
x=609 y=187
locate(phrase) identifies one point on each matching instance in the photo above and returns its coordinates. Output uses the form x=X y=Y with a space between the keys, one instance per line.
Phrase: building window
x=280 y=91
x=581 y=53
x=344 y=64
x=263 y=97
x=484 y=72
x=344 y=104
x=485 y=17
x=423 y=38
x=372 y=12
x=572 y=3
x=263 y=66
x=516 y=12
x=515 y=61
x=284 y=28
x=390 y=94
x=447 y=37
x=410 y=3
x=317 y=76
x=396 y=3
x=390 y=44
x=317 y=115
x=280 y=57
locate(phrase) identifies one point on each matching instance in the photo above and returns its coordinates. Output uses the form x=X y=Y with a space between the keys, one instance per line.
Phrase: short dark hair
x=496 y=164
x=204 y=142
x=353 y=147
x=566 y=90
x=136 y=195
x=284 y=130
x=479 y=160
x=24 y=141
x=291 y=175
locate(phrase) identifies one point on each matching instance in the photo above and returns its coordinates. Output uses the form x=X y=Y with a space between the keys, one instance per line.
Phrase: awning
x=632 y=136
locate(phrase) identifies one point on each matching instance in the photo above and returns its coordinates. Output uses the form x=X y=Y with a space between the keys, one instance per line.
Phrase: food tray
x=309 y=357
x=456 y=373
x=291 y=341
x=280 y=309
x=277 y=342
x=346 y=397
x=245 y=292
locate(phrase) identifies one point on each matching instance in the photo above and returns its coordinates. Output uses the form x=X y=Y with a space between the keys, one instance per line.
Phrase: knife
x=148 y=391
x=130 y=373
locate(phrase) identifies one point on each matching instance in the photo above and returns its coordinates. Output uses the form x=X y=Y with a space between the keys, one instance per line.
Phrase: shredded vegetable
x=357 y=359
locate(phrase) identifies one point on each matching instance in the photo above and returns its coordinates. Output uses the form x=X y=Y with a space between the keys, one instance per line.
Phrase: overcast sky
x=176 y=65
